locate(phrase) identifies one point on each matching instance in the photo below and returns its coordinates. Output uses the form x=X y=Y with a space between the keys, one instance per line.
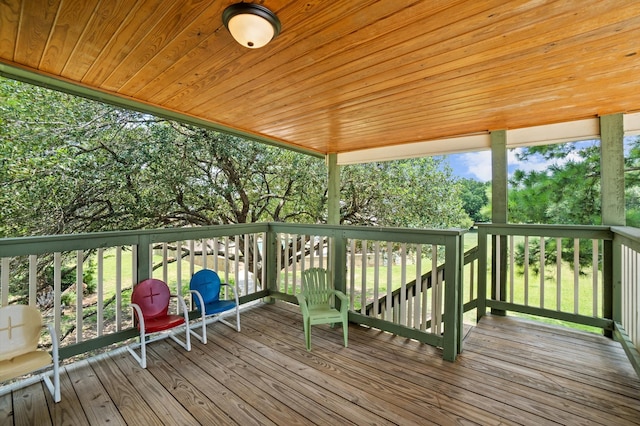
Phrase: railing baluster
x=33 y=279
x=79 y=298
x=512 y=268
x=389 y=307
x=594 y=265
x=403 y=285
x=376 y=278
x=417 y=320
x=435 y=292
x=352 y=273
x=178 y=256
x=119 y=319
x=99 y=292
x=4 y=280
x=542 y=264
x=558 y=273
x=363 y=279
x=526 y=271
x=576 y=275
x=57 y=291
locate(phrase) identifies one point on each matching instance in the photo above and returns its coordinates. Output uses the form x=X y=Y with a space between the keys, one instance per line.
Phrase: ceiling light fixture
x=252 y=25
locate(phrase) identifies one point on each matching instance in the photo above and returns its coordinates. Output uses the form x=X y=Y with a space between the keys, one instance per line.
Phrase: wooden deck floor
x=511 y=372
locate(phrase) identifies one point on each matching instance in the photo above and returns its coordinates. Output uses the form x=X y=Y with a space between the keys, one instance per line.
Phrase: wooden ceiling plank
x=211 y=53
x=9 y=24
x=411 y=44
x=537 y=56
x=278 y=54
x=408 y=58
x=555 y=100
x=104 y=22
x=414 y=72
x=338 y=39
x=179 y=29
x=123 y=41
x=36 y=21
x=67 y=28
x=498 y=84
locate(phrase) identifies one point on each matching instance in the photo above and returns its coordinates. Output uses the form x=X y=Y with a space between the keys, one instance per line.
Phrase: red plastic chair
x=150 y=302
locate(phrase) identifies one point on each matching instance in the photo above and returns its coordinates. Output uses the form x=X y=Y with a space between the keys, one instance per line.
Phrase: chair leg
x=307 y=333
x=345 y=331
x=203 y=333
x=142 y=358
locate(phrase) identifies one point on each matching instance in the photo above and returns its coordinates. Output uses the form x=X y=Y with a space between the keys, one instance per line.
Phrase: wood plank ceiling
x=342 y=75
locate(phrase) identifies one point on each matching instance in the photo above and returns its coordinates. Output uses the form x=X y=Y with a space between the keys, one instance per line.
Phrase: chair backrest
x=316 y=286
x=207 y=283
x=20 y=327
x=153 y=297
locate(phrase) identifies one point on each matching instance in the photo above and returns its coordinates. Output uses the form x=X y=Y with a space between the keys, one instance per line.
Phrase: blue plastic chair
x=205 y=287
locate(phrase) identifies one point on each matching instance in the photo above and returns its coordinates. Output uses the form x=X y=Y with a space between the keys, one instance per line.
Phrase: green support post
x=499 y=203
x=613 y=209
x=338 y=245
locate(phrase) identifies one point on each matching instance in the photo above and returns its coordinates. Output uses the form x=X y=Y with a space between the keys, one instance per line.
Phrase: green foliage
x=71 y=165
x=474 y=199
x=568 y=192
x=404 y=193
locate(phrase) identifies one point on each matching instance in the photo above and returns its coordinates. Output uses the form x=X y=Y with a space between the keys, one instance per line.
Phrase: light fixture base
x=251 y=25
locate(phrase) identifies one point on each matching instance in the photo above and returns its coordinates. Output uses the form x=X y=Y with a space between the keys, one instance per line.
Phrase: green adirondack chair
x=316 y=302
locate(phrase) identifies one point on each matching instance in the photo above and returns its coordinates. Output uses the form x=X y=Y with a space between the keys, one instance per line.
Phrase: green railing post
x=452 y=308
x=481 y=310
x=143 y=258
x=270 y=262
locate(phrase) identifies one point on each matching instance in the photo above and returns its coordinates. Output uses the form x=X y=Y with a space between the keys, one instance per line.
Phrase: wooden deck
x=512 y=371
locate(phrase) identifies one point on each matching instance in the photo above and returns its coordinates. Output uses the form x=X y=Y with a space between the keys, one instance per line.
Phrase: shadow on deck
x=512 y=371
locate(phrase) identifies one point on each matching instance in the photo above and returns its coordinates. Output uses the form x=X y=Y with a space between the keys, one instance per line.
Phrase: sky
x=477 y=165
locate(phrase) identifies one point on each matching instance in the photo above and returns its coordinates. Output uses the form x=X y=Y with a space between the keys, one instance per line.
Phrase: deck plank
x=153 y=393
x=26 y=403
x=96 y=403
x=506 y=399
x=68 y=411
x=512 y=371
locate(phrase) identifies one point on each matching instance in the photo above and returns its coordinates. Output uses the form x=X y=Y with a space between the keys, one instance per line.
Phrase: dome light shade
x=251 y=25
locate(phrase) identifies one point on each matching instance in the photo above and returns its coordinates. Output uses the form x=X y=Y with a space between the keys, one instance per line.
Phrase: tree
x=405 y=193
x=474 y=198
x=72 y=165
x=568 y=192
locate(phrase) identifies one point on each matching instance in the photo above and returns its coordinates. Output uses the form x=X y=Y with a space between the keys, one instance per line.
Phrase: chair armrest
x=233 y=287
x=200 y=299
x=183 y=304
x=302 y=301
x=54 y=343
x=344 y=300
x=138 y=314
